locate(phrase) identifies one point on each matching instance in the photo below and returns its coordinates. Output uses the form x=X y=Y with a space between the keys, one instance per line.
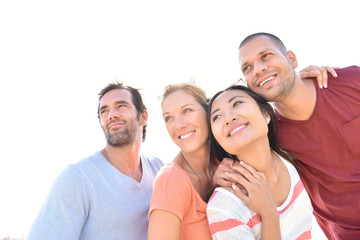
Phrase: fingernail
x=325 y=85
x=227 y=173
x=321 y=86
x=233 y=186
x=241 y=162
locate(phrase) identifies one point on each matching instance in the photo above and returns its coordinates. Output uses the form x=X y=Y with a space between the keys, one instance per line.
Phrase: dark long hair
x=272 y=126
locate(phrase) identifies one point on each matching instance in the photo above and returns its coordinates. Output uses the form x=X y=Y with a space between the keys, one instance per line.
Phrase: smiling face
x=185 y=121
x=119 y=119
x=237 y=121
x=268 y=71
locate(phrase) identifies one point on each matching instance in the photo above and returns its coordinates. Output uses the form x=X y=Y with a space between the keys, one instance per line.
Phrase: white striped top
x=230 y=218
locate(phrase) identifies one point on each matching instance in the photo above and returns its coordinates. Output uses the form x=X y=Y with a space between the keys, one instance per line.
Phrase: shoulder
x=89 y=163
x=226 y=201
x=345 y=76
x=297 y=194
x=294 y=175
x=78 y=175
x=70 y=182
x=172 y=174
x=153 y=162
x=220 y=194
x=172 y=182
x=290 y=167
x=172 y=191
x=72 y=174
x=351 y=71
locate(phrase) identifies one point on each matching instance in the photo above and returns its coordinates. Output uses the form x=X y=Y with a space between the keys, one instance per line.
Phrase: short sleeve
x=229 y=217
x=65 y=210
x=172 y=190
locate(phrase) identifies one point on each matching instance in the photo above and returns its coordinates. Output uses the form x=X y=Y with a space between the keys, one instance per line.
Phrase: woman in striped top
x=269 y=200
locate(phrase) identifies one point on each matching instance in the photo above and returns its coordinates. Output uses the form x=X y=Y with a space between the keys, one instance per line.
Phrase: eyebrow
x=117 y=102
x=229 y=101
x=185 y=105
x=259 y=54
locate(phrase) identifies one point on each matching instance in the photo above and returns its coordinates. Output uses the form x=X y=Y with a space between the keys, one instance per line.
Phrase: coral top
x=174 y=192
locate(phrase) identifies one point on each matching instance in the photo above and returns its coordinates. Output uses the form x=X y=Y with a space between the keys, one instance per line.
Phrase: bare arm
x=163 y=225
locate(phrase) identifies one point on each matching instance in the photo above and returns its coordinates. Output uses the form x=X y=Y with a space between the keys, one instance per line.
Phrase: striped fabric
x=230 y=218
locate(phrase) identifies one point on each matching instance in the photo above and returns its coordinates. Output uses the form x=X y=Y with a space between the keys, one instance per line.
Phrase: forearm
x=270 y=228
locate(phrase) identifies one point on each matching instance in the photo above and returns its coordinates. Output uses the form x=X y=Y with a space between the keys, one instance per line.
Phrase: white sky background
x=55 y=56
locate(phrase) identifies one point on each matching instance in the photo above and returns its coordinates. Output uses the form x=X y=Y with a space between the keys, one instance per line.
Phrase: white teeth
x=236 y=129
x=263 y=83
x=186 y=135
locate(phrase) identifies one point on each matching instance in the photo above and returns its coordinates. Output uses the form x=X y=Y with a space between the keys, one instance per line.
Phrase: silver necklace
x=190 y=165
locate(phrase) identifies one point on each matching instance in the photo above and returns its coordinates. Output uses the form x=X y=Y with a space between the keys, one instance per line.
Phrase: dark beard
x=285 y=89
x=120 y=139
x=126 y=136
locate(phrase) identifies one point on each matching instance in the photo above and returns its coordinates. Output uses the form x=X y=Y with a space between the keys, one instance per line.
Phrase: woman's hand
x=319 y=72
x=252 y=188
x=220 y=177
x=258 y=196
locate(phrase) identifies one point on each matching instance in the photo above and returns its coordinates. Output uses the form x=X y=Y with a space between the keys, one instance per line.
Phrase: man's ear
x=292 y=58
x=143 y=118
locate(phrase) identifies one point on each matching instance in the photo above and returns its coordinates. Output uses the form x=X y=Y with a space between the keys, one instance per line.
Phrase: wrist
x=271 y=216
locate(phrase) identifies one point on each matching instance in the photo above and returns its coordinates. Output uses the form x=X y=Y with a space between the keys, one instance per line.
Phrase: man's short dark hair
x=277 y=42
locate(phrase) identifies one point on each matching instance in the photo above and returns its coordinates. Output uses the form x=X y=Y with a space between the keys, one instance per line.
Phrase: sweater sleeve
x=65 y=210
x=229 y=217
x=172 y=190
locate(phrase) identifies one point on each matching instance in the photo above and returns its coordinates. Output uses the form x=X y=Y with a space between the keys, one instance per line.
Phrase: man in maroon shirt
x=320 y=128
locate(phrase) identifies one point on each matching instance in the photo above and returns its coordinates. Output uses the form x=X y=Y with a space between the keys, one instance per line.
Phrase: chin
x=190 y=149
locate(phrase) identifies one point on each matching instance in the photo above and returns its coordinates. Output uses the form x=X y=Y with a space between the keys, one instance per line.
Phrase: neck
x=126 y=159
x=198 y=160
x=199 y=168
x=300 y=103
x=261 y=157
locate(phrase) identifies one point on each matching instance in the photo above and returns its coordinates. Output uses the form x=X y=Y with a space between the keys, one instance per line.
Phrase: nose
x=113 y=113
x=259 y=68
x=230 y=118
x=180 y=123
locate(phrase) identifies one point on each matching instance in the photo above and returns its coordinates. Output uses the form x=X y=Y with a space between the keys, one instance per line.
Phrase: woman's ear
x=267 y=117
